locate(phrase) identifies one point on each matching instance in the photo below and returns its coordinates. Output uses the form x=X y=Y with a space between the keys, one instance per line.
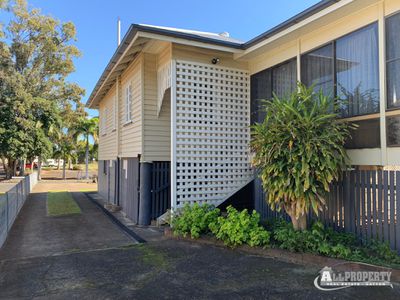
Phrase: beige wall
x=131 y=133
x=157 y=127
x=317 y=36
x=108 y=136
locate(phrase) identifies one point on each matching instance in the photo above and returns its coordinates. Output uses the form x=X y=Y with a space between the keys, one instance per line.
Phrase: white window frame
x=128 y=104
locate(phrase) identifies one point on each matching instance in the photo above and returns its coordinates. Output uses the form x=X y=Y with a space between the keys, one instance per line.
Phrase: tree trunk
x=69 y=164
x=299 y=223
x=39 y=175
x=64 y=166
x=14 y=167
x=87 y=158
x=58 y=162
x=22 y=168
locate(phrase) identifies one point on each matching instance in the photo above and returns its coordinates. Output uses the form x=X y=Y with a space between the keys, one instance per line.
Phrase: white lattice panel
x=212 y=132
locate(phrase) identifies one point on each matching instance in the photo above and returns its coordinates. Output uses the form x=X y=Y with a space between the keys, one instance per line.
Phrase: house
x=175 y=105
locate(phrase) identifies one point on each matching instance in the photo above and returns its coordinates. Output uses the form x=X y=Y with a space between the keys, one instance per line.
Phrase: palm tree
x=65 y=149
x=87 y=128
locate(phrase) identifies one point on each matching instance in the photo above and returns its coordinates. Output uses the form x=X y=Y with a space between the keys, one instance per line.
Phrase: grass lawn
x=61 y=203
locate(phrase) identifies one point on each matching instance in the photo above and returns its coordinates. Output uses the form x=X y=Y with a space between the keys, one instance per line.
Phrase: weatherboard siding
x=108 y=140
x=157 y=133
x=131 y=133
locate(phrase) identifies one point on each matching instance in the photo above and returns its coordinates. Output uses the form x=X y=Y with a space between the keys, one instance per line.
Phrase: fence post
x=346 y=187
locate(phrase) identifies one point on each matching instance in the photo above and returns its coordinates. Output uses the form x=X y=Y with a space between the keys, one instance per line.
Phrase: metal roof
x=203 y=37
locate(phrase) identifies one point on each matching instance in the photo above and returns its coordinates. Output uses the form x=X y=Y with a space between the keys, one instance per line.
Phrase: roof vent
x=224 y=34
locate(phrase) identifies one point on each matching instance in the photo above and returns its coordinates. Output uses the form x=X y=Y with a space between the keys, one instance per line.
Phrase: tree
x=299 y=151
x=65 y=148
x=87 y=128
x=36 y=56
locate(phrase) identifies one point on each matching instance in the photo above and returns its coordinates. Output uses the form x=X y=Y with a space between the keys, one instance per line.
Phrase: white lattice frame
x=210 y=120
x=163 y=83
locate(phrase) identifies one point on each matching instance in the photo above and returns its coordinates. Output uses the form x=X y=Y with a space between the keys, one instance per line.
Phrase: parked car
x=29 y=165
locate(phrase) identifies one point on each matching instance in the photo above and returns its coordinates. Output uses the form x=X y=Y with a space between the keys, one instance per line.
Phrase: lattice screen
x=212 y=132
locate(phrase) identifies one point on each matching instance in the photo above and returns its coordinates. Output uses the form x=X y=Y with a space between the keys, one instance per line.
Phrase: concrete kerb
x=117 y=222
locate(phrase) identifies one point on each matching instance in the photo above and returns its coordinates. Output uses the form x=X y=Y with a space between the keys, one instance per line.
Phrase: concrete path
x=35 y=234
x=87 y=257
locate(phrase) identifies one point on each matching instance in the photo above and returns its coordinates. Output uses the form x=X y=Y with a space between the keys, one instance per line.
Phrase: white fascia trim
x=113 y=68
x=181 y=41
x=295 y=27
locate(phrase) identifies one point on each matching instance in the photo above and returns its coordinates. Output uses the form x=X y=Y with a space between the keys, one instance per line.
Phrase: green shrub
x=194 y=220
x=239 y=228
x=326 y=241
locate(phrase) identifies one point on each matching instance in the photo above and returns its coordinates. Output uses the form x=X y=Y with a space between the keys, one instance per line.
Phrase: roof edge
x=290 y=22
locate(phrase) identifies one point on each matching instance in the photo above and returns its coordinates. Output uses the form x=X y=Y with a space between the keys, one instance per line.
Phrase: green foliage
x=194 y=220
x=239 y=228
x=36 y=57
x=327 y=242
x=87 y=128
x=299 y=150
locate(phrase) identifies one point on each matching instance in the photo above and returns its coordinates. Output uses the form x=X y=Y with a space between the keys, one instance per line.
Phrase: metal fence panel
x=12 y=202
x=363 y=202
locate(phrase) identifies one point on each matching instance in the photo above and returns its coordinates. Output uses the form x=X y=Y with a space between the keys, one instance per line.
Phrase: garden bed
x=317 y=245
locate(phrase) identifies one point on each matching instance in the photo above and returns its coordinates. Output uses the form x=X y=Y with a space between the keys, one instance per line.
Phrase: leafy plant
x=299 y=151
x=194 y=220
x=326 y=241
x=239 y=228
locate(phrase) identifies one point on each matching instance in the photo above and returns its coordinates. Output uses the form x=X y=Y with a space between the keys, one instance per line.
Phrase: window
x=261 y=89
x=367 y=135
x=393 y=131
x=357 y=72
x=317 y=67
x=128 y=104
x=284 y=78
x=393 y=61
x=281 y=80
x=347 y=68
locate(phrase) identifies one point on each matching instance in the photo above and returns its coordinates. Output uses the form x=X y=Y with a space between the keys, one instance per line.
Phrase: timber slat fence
x=161 y=189
x=362 y=202
x=11 y=203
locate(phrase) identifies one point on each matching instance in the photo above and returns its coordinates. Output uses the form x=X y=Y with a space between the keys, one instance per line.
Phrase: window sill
x=127 y=123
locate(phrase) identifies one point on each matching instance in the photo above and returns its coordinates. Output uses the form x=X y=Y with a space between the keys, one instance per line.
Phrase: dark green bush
x=239 y=228
x=326 y=241
x=194 y=220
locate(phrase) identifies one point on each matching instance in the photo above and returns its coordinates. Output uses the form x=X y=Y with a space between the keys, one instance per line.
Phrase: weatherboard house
x=175 y=105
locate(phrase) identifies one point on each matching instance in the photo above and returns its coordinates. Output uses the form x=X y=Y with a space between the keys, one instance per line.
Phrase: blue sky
x=96 y=23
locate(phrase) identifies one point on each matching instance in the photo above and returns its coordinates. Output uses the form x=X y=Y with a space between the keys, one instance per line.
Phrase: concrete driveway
x=88 y=257
x=35 y=234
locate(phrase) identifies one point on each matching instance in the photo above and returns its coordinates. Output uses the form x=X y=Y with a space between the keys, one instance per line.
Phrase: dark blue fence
x=363 y=202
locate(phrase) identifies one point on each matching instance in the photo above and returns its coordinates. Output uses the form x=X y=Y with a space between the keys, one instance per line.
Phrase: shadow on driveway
x=35 y=234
